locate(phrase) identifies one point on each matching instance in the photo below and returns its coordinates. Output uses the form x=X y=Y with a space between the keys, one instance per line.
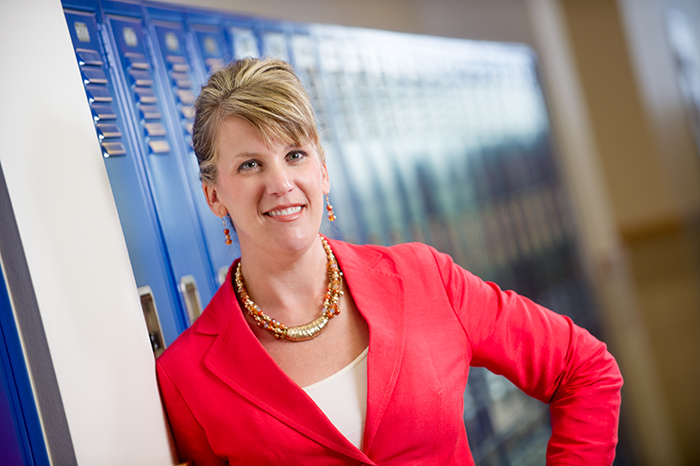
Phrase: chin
x=296 y=241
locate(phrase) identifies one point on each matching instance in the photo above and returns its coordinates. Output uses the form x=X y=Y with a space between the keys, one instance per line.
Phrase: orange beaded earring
x=329 y=208
x=226 y=232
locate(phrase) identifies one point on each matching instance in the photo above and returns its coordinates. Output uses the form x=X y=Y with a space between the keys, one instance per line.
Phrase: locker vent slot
x=108 y=130
x=145 y=95
x=98 y=93
x=150 y=112
x=103 y=111
x=94 y=75
x=140 y=78
x=154 y=129
x=182 y=80
x=159 y=147
x=137 y=61
x=89 y=57
x=187 y=111
x=175 y=59
x=181 y=67
x=112 y=149
x=185 y=96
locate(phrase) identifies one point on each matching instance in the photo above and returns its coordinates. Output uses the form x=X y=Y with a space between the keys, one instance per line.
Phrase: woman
x=296 y=362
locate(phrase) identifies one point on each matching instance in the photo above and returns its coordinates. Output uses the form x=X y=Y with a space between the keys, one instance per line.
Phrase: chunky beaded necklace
x=306 y=331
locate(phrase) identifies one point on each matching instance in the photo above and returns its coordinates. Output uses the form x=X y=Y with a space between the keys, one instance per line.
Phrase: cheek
x=237 y=195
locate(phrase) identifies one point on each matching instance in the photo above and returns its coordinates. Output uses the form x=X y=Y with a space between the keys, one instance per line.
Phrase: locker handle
x=150 y=314
x=221 y=275
x=190 y=295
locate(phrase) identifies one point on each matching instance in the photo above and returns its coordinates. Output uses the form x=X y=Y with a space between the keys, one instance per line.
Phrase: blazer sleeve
x=190 y=438
x=548 y=357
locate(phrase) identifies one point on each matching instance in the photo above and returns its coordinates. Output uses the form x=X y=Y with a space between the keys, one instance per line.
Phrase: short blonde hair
x=265 y=93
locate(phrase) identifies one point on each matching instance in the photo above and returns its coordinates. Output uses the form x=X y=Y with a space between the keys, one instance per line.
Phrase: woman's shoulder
x=396 y=249
x=401 y=249
x=187 y=346
x=394 y=257
x=193 y=343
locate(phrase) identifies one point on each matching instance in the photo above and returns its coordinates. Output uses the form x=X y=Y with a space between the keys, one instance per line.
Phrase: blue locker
x=335 y=131
x=21 y=437
x=210 y=50
x=242 y=37
x=177 y=63
x=274 y=39
x=132 y=194
x=157 y=150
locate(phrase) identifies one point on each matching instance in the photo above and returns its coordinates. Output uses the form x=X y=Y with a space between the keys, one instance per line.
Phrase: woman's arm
x=548 y=357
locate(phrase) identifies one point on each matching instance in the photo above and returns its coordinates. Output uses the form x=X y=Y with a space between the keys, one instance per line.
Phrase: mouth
x=284 y=212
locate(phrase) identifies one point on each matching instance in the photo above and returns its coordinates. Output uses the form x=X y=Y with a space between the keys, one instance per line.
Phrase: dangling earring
x=226 y=232
x=329 y=208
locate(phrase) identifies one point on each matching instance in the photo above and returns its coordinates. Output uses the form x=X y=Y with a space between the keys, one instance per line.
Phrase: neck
x=288 y=288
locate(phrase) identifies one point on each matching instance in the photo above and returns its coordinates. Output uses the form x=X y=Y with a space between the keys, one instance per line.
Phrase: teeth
x=289 y=211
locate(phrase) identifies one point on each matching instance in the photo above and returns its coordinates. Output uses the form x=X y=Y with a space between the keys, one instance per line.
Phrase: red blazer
x=429 y=320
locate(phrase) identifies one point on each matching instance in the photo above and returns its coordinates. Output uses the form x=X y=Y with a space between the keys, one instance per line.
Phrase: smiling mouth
x=287 y=211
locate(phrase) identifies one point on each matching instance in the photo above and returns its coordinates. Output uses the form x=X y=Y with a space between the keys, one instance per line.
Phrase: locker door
x=155 y=140
x=273 y=40
x=306 y=65
x=342 y=131
x=243 y=40
x=21 y=437
x=132 y=195
x=210 y=51
x=181 y=82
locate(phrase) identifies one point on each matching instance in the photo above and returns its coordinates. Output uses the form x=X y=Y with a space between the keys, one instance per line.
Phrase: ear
x=213 y=200
x=325 y=179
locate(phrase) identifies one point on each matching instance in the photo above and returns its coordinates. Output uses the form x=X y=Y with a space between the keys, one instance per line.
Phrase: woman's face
x=274 y=194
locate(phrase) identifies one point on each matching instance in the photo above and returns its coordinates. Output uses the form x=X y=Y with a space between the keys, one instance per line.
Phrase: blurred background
x=552 y=146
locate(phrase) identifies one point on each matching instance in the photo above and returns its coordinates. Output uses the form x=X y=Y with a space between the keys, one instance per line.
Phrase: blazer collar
x=239 y=360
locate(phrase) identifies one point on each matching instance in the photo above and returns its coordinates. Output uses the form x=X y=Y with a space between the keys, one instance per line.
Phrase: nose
x=279 y=180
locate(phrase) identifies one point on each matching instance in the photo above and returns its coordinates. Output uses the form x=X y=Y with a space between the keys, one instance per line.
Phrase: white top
x=343 y=398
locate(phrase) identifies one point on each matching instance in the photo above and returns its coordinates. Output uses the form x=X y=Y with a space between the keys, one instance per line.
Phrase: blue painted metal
x=177 y=64
x=132 y=193
x=157 y=150
x=21 y=437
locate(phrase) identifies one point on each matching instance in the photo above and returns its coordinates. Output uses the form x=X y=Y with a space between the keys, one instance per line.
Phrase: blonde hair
x=265 y=93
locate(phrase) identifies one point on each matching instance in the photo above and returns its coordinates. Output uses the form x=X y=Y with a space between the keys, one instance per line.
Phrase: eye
x=296 y=155
x=248 y=165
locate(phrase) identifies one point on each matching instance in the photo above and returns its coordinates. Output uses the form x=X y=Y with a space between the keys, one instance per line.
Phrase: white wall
x=73 y=243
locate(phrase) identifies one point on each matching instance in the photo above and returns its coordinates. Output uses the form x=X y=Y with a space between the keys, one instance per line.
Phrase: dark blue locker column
x=157 y=148
x=135 y=205
x=12 y=443
x=21 y=436
x=180 y=83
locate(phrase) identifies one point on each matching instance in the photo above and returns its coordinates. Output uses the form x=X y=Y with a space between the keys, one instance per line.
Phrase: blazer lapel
x=239 y=360
x=379 y=296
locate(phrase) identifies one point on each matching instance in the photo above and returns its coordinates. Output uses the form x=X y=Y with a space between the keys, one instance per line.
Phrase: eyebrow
x=257 y=154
